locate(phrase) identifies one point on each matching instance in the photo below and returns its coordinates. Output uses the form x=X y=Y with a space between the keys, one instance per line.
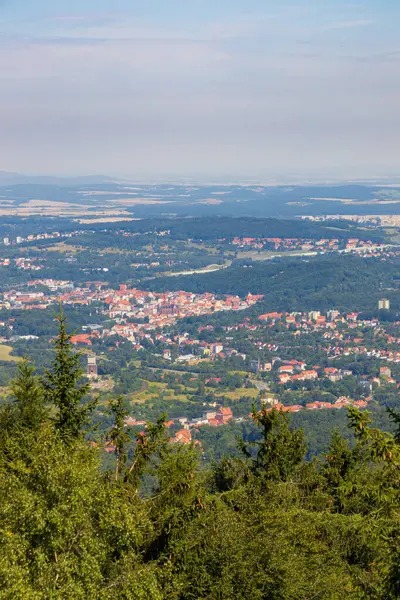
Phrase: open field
x=269 y=255
x=239 y=393
x=62 y=247
x=208 y=269
x=5 y=354
x=211 y=201
x=154 y=389
x=138 y=201
x=60 y=211
x=242 y=373
x=104 y=220
x=355 y=201
x=53 y=205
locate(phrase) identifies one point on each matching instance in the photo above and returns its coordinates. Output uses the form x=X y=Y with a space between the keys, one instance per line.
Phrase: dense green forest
x=204 y=228
x=342 y=282
x=137 y=251
x=154 y=523
x=215 y=228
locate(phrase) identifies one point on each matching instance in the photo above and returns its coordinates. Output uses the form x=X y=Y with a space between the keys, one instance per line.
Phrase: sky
x=266 y=90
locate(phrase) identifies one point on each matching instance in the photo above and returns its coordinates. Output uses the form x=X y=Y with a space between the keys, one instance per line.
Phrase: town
x=206 y=325
x=151 y=323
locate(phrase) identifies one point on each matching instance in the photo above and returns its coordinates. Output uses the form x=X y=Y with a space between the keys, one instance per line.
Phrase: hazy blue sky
x=205 y=88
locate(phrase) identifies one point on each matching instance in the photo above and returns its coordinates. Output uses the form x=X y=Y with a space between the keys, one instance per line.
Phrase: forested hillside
x=155 y=524
x=343 y=282
x=219 y=227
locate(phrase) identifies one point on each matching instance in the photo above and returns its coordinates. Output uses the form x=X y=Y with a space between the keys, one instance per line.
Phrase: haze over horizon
x=156 y=90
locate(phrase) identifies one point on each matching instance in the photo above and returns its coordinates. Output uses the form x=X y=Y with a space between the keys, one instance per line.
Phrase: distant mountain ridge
x=7 y=178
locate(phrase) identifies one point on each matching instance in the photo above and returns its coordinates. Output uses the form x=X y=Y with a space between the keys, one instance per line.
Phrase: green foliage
x=118 y=435
x=339 y=460
x=280 y=450
x=342 y=282
x=62 y=388
x=395 y=416
x=148 y=443
x=28 y=397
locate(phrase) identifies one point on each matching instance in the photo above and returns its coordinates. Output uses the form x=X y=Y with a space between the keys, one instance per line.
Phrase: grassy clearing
x=242 y=373
x=5 y=354
x=155 y=389
x=239 y=393
x=268 y=255
x=208 y=269
x=146 y=394
x=64 y=248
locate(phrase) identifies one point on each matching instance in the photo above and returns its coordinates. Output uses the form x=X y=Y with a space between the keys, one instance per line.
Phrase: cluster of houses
x=375 y=220
x=23 y=263
x=342 y=330
x=294 y=370
x=306 y=245
x=51 y=235
x=134 y=309
x=342 y=402
x=311 y=321
x=214 y=418
x=32 y=298
x=164 y=309
x=46 y=235
x=222 y=416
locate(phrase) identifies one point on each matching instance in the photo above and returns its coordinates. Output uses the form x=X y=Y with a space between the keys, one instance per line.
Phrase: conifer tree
x=28 y=407
x=62 y=387
x=148 y=443
x=340 y=461
x=375 y=444
x=395 y=418
x=118 y=435
x=280 y=449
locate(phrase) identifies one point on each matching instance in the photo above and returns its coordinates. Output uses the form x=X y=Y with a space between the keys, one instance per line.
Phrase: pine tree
x=280 y=450
x=148 y=443
x=28 y=406
x=118 y=435
x=395 y=418
x=62 y=387
x=340 y=460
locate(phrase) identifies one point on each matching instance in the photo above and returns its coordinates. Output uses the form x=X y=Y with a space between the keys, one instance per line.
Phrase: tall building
x=332 y=315
x=92 y=367
x=19 y=239
x=6 y=241
x=384 y=304
x=257 y=366
x=314 y=314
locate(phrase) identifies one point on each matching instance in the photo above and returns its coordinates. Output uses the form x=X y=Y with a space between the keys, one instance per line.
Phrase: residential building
x=384 y=304
x=385 y=372
x=92 y=370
